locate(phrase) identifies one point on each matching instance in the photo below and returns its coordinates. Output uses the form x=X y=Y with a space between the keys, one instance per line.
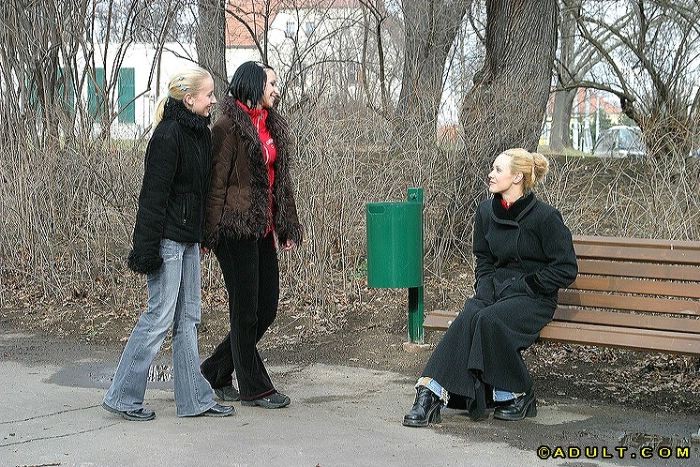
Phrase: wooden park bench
x=631 y=293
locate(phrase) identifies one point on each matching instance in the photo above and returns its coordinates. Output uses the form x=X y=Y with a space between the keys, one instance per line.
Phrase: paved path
x=50 y=415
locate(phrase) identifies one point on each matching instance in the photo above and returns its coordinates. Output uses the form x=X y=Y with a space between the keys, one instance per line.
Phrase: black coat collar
x=516 y=211
x=176 y=110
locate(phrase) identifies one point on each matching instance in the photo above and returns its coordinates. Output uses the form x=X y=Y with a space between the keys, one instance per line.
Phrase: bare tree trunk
x=378 y=11
x=430 y=30
x=561 y=118
x=564 y=97
x=506 y=105
x=211 y=42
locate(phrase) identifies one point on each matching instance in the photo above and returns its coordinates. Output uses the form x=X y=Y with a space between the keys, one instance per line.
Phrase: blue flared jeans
x=174 y=299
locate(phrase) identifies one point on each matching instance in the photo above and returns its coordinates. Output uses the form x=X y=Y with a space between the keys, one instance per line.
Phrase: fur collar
x=275 y=123
x=176 y=110
x=516 y=211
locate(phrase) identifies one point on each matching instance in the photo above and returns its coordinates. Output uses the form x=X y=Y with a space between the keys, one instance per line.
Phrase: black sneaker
x=139 y=415
x=275 y=400
x=219 y=411
x=227 y=394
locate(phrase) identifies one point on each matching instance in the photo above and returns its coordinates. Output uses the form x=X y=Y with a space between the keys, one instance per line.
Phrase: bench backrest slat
x=637 y=242
x=651 y=271
x=638 y=286
x=627 y=320
x=638 y=253
x=629 y=302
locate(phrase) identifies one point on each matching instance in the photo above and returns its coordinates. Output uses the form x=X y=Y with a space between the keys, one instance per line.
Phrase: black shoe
x=139 y=415
x=227 y=393
x=219 y=411
x=426 y=409
x=275 y=400
x=519 y=408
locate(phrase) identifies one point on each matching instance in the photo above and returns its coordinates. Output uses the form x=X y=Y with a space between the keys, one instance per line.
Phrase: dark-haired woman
x=250 y=210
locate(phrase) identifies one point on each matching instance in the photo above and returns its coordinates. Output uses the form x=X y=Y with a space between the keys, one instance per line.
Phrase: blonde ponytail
x=160 y=107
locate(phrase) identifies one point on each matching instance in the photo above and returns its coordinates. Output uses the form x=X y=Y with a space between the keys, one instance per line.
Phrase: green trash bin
x=395 y=244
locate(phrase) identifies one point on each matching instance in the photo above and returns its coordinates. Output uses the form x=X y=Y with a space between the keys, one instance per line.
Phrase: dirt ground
x=369 y=331
x=647 y=381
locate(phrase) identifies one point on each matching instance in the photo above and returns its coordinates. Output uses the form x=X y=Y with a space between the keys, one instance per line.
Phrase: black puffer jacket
x=175 y=185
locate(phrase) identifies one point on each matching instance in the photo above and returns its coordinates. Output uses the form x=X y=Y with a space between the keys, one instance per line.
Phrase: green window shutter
x=33 y=97
x=95 y=101
x=66 y=92
x=127 y=109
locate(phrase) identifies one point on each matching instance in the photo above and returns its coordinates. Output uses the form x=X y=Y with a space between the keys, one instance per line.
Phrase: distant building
x=588 y=108
x=316 y=42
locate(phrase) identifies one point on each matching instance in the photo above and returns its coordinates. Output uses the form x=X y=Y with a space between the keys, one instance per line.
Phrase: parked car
x=620 y=141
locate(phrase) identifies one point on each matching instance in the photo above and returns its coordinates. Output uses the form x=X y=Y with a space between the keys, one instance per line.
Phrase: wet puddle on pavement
x=644 y=440
x=96 y=374
x=160 y=373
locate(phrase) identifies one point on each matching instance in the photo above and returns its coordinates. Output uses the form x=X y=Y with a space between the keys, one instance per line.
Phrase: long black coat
x=175 y=185
x=523 y=256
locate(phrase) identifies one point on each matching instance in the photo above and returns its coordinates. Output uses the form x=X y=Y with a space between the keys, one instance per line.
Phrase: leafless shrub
x=646 y=197
x=66 y=213
x=67 y=201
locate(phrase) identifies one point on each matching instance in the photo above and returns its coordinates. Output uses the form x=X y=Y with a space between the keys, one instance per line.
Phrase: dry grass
x=66 y=215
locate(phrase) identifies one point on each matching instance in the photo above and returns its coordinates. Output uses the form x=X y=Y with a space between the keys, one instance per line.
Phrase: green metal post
x=415 y=294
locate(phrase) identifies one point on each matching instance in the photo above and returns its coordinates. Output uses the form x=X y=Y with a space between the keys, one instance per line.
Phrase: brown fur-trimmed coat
x=238 y=194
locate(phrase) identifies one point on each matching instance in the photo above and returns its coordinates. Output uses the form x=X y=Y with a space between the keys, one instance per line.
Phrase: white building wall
x=151 y=78
x=311 y=48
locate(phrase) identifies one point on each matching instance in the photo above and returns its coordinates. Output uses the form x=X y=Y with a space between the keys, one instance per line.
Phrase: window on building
x=309 y=27
x=126 y=93
x=290 y=29
x=353 y=70
x=32 y=99
x=66 y=92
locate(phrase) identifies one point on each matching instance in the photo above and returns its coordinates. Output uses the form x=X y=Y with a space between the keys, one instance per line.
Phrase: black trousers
x=251 y=274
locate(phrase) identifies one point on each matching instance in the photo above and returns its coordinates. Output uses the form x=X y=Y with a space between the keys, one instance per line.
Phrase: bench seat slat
x=638 y=339
x=629 y=302
x=440 y=320
x=679 y=256
x=629 y=320
x=650 y=271
x=647 y=287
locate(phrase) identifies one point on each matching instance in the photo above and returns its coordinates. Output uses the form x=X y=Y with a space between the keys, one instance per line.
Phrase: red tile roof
x=245 y=19
x=608 y=103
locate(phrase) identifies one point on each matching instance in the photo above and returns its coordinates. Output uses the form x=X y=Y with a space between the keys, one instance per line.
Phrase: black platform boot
x=426 y=409
x=519 y=408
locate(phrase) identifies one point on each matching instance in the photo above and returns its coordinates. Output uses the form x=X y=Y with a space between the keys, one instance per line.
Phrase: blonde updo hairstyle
x=188 y=81
x=533 y=165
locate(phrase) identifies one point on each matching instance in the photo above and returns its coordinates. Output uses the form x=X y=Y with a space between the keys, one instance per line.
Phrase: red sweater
x=269 y=152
